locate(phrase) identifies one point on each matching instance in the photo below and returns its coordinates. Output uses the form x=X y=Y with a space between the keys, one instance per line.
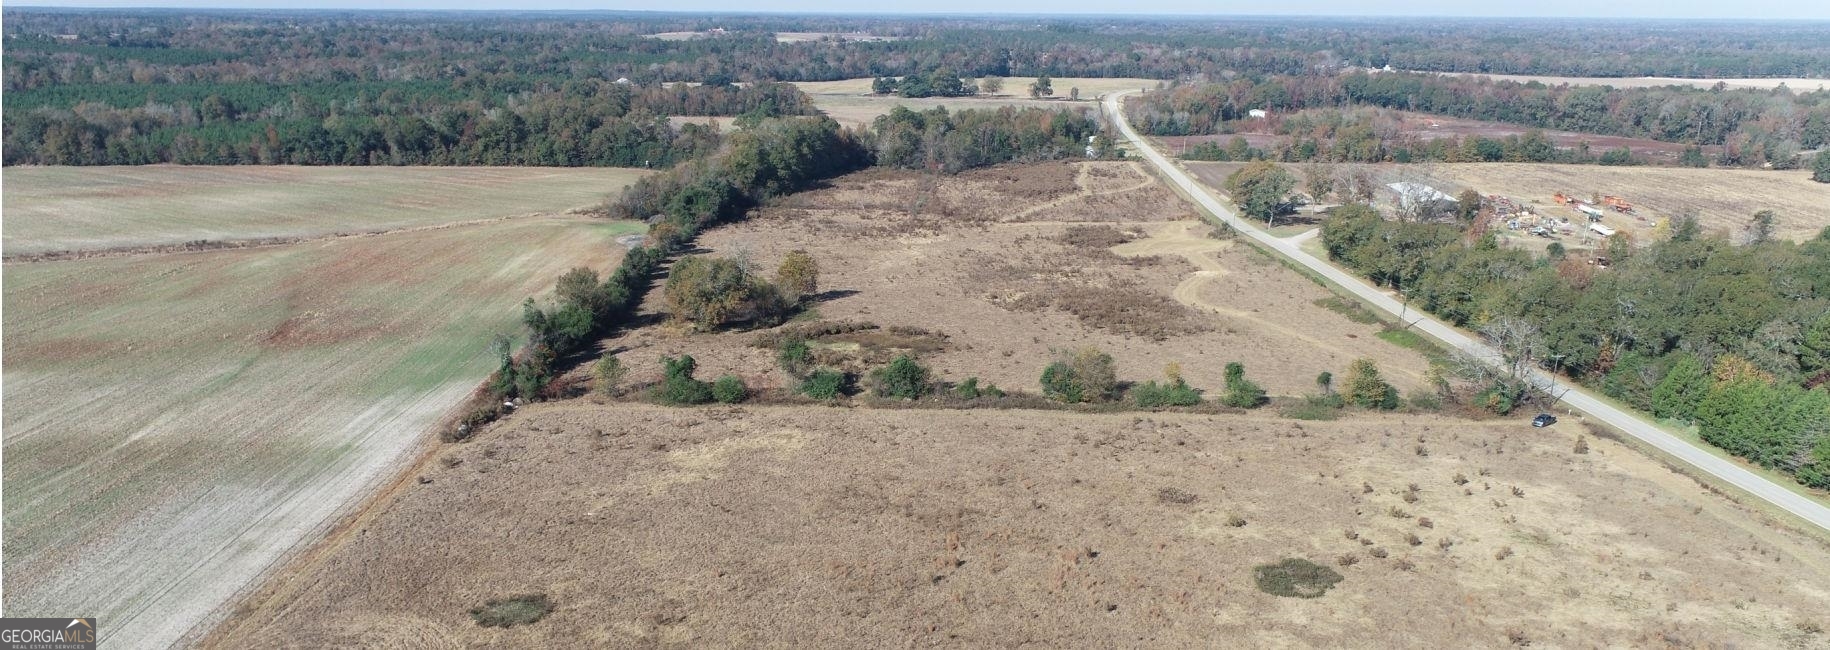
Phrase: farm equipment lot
x=1722 y=199
x=175 y=422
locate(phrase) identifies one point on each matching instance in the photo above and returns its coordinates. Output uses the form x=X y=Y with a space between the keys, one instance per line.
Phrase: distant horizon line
x=895 y=14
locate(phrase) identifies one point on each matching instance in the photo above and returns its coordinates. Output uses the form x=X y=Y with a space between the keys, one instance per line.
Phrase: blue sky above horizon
x=1671 y=9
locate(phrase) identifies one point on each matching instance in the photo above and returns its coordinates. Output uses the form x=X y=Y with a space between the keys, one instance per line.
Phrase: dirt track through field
x=1179 y=238
x=1084 y=181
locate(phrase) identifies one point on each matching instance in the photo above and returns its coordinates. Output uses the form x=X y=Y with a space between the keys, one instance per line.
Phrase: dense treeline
x=1371 y=135
x=1754 y=126
x=120 y=46
x=578 y=123
x=1735 y=338
x=126 y=86
x=937 y=139
x=769 y=159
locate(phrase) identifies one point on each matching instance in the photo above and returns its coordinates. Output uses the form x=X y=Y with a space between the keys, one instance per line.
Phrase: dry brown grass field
x=176 y=422
x=725 y=124
x=810 y=527
x=89 y=208
x=1012 y=262
x=850 y=101
x=813 y=525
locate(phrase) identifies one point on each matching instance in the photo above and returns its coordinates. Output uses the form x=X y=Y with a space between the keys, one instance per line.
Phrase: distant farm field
x=176 y=422
x=850 y=101
x=1798 y=84
x=87 y=208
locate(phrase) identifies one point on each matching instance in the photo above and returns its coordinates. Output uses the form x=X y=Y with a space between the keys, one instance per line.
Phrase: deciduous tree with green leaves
x=1261 y=189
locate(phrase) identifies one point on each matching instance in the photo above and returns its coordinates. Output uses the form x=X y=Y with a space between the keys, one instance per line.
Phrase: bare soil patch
x=814 y=527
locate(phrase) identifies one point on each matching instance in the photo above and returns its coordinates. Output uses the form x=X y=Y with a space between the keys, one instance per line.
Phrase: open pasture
x=649 y=526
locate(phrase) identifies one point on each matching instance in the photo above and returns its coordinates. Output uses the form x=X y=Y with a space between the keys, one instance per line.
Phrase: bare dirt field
x=850 y=101
x=1723 y=199
x=793 y=526
x=176 y=422
x=1011 y=262
x=88 y=208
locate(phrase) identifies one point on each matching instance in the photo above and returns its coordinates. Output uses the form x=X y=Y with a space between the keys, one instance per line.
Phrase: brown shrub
x=1095 y=237
x=1174 y=495
x=1129 y=309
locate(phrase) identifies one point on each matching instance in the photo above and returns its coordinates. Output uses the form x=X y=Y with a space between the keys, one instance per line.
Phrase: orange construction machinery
x=1619 y=204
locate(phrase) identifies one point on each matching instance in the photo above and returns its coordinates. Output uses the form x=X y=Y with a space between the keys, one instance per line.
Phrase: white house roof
x=1412 y=191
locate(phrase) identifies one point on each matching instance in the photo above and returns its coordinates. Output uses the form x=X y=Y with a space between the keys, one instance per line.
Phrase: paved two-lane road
x=1577 y=398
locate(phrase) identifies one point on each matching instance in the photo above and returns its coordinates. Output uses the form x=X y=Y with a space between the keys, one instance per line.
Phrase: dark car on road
x=1544 y=420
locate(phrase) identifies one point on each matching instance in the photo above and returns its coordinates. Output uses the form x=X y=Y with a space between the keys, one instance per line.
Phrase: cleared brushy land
x=1011 y=262
x=850 y=101
x=89 y=208
x=176 y=422
x=796 y=526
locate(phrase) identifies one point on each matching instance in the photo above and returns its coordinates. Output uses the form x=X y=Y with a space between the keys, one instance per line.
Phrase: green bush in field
x=1241 y=392
x=678 y=386
x=607 y=374
x=1084 y=375
x=1366 y=389
x=1296 y=578
x=968 y=389
x=1151 y=394
x=902 y=378
x=824 y=384
x=509 y=612
x=795 y=356
x=730 y=389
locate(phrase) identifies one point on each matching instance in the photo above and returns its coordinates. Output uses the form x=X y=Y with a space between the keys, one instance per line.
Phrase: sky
x=1701 y=9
